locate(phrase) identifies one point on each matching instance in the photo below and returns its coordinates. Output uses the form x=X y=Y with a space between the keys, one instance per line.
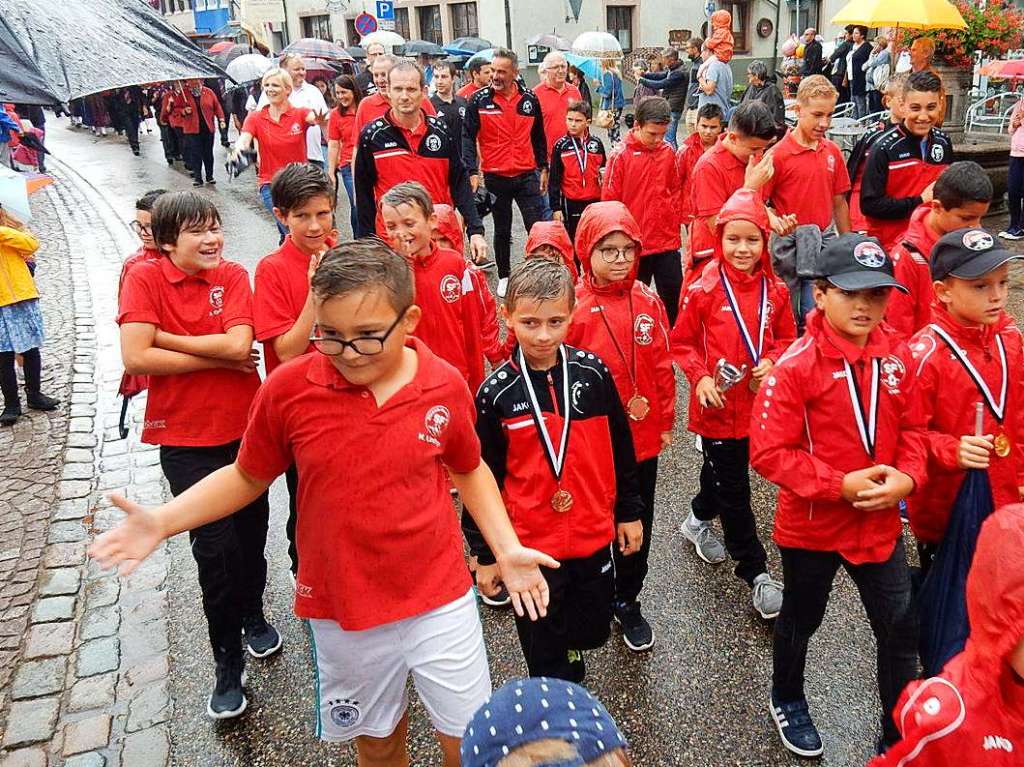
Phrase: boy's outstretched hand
x=520 y=572
x=131 y=541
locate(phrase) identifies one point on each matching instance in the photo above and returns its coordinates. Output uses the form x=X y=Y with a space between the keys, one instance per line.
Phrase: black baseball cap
x=856 y=262
x=968 y=254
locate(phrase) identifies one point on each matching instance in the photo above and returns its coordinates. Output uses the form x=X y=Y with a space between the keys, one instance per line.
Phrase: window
x=620 y=25
x=317 y=26
x=350 y=30
x=402 y=22
x=809 y=12
x=740 y=10
x=430 y=23
x=464 y=20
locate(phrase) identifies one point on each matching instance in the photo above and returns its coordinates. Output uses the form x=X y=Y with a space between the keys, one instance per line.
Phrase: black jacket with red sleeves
x=600 y=468
x=510 y=133
x=568 y=180
x=384 y=158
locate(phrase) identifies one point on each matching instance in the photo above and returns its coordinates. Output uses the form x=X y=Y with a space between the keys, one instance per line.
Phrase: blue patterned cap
x=540 y=708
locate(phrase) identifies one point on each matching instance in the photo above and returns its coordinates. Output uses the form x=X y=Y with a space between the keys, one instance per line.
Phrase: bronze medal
x=754 y=384
x=1002 y=445
x=561 y=501
x=638 y=407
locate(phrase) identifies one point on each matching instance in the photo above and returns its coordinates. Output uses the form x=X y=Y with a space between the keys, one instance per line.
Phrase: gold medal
x=561 y=501
x=754 y=384
x=638 y=407
x=1002 y=445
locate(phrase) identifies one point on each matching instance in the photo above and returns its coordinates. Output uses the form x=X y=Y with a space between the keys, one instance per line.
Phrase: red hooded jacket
x=907 y=313
x=209 y=105
x=686 y=158
x=972 y=714
x=646 y=181
x=804 y=438
x=944 y=400
x=706 y=330
x=637 y=355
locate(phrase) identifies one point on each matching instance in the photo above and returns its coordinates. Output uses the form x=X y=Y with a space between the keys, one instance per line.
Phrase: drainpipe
x=508 y=26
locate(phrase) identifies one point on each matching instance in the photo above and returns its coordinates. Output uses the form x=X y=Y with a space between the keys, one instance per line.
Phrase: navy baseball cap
x=856 y=262
x=968 y=254
x=540 y=708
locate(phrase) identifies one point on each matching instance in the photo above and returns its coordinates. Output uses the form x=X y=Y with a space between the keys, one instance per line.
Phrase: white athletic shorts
x=361 y=675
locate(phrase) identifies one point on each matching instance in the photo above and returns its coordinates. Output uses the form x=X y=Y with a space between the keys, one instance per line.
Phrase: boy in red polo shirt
x=710 y=124
x=186 y=322
x=577 y=159
x=831 y=426
x=378 y=427
x=283 y=306
x=734 y=311
x=624 y=321
x=554 y=433
x=961 y=198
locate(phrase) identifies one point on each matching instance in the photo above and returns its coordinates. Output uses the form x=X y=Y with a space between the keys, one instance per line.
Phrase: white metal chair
x=990 y=114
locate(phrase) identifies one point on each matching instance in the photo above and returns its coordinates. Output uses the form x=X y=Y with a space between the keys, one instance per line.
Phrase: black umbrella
x=228 y=55
x=422 y=47
x=471 y=44
x=356 y=52
x=63 y=51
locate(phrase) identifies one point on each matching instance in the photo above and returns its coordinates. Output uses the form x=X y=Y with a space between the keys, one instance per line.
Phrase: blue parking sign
x=385 y=10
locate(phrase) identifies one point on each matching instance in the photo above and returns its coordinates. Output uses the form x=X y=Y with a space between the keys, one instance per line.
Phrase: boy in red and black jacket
x=624 y=321
x=831 y=426
x=734 y=311
x=576 y=162
x=553 y=431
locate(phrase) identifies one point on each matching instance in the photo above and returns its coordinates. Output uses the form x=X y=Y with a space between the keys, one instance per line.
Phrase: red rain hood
x=448 y=226
x=599 y=220
x=552 y=233
x=745 y=205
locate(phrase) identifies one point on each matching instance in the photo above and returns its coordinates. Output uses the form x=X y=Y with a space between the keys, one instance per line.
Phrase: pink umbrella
x=1012 y=69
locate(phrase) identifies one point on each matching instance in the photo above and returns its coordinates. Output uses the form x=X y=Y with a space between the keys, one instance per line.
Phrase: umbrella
x=909 y=14
x=468 y=45
x=597 y=45
x=15 y=189
x=356 y=52
x=550 y=40
x=226 y=56
x=223 y=45
x=422 y=48
x=589 y=67
x=484 y=55
x=385 y=37
x=322 y=67
x=1012 y=69
x=61 y=51
x=249 y=67
x=311 y=47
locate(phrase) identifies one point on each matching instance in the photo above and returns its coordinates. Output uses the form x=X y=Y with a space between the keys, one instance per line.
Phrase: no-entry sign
x=365 y=24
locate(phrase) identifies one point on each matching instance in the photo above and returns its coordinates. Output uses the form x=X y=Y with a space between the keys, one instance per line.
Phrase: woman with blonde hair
x=613 y=101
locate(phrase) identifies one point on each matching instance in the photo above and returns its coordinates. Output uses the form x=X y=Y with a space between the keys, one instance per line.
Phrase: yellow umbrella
x=909 y=14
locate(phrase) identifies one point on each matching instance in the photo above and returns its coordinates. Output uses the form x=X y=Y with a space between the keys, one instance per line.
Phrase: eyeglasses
x=611 y=255
x=366 y=346
x=140 y=229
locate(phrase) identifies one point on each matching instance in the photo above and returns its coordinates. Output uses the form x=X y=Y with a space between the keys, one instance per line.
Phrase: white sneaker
x=700 y=534
x=502 y=286
x=767 y=596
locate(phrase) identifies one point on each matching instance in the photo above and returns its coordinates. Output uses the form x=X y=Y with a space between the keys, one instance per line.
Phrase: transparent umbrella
x=550 y=40
x=385 y=37
x=248 y=67
x=597 y=45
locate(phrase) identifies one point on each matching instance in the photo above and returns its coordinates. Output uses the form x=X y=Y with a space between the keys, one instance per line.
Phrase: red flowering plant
x=994 y=29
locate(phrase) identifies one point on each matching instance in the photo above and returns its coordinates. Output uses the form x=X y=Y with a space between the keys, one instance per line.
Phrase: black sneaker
x=228 y=698
x=197 y=183
x=636 y=631
x=261 y=638
x=10 y=415
x=795 y=726
x=39 y=401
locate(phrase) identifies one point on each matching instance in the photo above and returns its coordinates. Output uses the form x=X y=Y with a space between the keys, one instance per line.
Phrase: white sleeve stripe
x=961 y=715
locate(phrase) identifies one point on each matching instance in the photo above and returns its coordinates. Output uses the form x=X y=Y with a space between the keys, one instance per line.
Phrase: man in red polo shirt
x=479 y=77
x=186 y=322
x=555 y=95
x=405 y=144
x=379 y=429
x=507 y=123
x=377 y=105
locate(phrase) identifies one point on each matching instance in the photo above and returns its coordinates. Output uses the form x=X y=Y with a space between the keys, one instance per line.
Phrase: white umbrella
x=14 y=193
x=597 y=45
x=385 y=37
x=248 y=67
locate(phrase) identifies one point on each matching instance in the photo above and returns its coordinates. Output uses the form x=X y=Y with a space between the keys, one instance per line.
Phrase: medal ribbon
x=555 y=460
x=999 y=411
x=630 y=365
x=581 y=158
x=762 y=316
x=866 y=422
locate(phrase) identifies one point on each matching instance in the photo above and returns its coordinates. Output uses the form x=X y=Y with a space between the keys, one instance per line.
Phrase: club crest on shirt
x=296 y=128
x=575 y=393
x=830 y=163
x=594 y=146
x=344 y=712
x=869 y=254
x=437 y=420
x=891 y=373
x=643 y=329
x=978 y=240
x=433 y=142
x=937 y=153
x=527 y=107
x=216 y=300
x=451 y=288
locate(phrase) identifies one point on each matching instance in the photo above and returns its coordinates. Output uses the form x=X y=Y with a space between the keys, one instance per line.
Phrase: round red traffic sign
x=365 y=24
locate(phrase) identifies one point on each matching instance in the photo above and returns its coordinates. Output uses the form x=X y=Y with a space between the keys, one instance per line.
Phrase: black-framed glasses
x=140 y=229
x=611 y=255
x=367 y=346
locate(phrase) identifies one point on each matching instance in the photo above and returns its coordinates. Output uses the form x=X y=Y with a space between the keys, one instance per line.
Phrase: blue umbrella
x=589 y=67
x=485 y=55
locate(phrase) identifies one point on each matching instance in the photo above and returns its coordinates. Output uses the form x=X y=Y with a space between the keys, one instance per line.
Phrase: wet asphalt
x=700 y=697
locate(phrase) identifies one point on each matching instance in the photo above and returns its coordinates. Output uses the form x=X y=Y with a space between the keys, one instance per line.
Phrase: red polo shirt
x=376 y=106
x=444 y=326
x=282 y=285
x=717 y=174
x=207 y=407
x=554 y=105
x=806 y=180
x=280 y=142
x=374 y=493
x=341 y=127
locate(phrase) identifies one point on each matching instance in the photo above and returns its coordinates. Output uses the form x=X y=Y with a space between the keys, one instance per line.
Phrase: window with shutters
x=464 y=20
x=620 y=25
x=430 y=23
x=317 y=26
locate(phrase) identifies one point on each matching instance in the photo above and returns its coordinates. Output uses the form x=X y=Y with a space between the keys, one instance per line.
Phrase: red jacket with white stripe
x=907 y=313
x=568 y=181
x=638 y=356
x=804 y=438
x=504 y=136
x=945 y=399
x=706 y=330
x=645 y=180
x=972 y=714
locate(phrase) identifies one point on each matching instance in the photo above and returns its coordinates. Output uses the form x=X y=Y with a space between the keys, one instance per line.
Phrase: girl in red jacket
x=970 y=353
x=624 y=322
x=830 y=426
x=972 y=714
x=735 y=311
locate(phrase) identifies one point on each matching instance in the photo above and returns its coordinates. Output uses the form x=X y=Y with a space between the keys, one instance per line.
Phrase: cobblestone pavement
x=96 y=668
